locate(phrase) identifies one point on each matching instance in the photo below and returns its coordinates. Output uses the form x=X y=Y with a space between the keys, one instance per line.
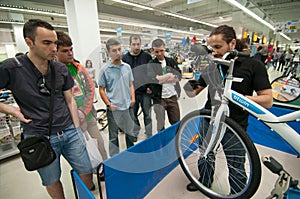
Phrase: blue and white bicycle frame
x=277 y=124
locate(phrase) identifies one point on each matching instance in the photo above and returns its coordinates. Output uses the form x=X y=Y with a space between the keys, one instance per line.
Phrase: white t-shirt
x=168 y=89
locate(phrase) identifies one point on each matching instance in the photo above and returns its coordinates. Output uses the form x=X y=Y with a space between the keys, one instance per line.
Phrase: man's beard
x=136 y=52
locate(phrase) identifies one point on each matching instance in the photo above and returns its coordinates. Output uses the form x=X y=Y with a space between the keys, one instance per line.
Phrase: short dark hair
x=63 y=39
x=134 y=37
x=227 y=32
x=158 y=43
x=112 y=42
x=241 y=44
x=29 y=29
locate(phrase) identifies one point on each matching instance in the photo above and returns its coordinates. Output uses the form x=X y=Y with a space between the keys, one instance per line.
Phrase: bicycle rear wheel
x=102 y=119
x=233 y=171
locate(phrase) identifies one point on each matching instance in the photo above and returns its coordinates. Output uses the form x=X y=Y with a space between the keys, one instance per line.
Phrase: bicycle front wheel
x=102 y=119
x=232 y=171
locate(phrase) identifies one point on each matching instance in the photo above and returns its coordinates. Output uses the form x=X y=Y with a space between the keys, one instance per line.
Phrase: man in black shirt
x=255 y=78
x=137 y=59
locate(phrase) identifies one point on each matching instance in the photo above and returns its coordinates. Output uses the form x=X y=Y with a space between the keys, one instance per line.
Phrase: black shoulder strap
x=52 y=68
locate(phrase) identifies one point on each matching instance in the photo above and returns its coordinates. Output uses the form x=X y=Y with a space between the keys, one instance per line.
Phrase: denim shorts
x=71 y=144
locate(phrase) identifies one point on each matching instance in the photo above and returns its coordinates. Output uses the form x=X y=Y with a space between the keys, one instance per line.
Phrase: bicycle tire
x=102 y=119
x=188 y=153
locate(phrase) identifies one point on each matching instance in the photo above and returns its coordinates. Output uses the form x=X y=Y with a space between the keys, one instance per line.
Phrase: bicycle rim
x=214 y=169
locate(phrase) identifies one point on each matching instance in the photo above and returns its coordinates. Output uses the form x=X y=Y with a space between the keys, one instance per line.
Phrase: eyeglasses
x=42 y=86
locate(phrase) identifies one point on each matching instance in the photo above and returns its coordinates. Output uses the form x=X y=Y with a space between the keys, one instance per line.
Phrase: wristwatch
x=108 y=106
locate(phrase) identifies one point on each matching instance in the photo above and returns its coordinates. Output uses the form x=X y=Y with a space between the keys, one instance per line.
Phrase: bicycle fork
x=217 y=128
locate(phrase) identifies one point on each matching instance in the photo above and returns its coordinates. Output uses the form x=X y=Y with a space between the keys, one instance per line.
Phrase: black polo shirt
x=138 y=65
x=22 y=79
x=255 y=78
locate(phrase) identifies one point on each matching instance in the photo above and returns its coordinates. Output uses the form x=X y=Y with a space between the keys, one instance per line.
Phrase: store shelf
x=10 y=131
x=8 y=149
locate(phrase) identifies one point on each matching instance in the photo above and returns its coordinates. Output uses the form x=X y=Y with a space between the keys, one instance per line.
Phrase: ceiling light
x=253 y=15
x=133 y=4
x=166 y=13
x=189 y=19
x=150 y=27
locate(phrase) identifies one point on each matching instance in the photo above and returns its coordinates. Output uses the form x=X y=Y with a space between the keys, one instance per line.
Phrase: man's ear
x=29 y=42
x=232 y=44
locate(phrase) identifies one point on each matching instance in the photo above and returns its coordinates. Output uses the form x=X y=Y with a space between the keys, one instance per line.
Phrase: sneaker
x=93 y=188
x=191 y=187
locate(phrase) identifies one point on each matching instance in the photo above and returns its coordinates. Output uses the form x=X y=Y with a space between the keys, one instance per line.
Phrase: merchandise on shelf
x=5 y=135
x=15 y=127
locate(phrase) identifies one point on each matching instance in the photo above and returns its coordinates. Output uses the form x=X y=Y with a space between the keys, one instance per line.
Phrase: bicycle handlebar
x=237 y=53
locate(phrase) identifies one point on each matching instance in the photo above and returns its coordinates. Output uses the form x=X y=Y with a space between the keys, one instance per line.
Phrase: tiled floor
x=16 y=182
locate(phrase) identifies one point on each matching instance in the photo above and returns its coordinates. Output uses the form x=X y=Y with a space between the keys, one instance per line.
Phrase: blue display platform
x=134 y=172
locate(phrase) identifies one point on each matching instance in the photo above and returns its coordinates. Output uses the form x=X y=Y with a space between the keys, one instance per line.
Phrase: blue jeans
x=143 y=100
x=120 y=119
x=235 y=157
x=71 y=144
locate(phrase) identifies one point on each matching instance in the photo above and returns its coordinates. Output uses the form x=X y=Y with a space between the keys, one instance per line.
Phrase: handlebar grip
x=240 y=54
x=272 y=164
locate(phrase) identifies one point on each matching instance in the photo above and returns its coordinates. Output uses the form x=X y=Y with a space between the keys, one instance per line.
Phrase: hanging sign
x=286 y=27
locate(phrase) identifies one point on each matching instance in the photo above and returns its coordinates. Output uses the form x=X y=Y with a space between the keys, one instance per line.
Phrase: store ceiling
x=215 y=12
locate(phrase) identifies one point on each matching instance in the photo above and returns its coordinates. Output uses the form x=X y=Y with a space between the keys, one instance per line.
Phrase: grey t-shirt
x=22 y=79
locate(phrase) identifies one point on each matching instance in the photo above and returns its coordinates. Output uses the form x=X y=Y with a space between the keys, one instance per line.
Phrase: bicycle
x=199 y=140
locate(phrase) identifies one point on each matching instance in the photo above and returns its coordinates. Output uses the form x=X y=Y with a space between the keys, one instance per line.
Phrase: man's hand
x=148 y=91
x=132 y=103
x=82 y=120
x=16 y=112
x=113 y=107
x=167 y=78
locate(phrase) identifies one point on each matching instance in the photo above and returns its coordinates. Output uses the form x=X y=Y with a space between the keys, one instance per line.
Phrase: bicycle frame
x=277 y=124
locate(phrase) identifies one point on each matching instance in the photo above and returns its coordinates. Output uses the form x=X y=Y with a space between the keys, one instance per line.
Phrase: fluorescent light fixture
x=166 y=13
x=122 y=23
x=255 y=16
x=189 y=19
x=33 y=11
x=285 y=36
x=133 y=4
x=150 y=27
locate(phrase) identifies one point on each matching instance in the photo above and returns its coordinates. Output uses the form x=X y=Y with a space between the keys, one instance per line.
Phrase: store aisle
x=16 y=182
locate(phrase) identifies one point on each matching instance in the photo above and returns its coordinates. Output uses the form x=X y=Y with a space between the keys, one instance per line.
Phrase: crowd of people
x=126 y=83
x=278 y=60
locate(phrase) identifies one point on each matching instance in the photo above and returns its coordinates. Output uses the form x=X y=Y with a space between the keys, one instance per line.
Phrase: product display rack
x=10 y=130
